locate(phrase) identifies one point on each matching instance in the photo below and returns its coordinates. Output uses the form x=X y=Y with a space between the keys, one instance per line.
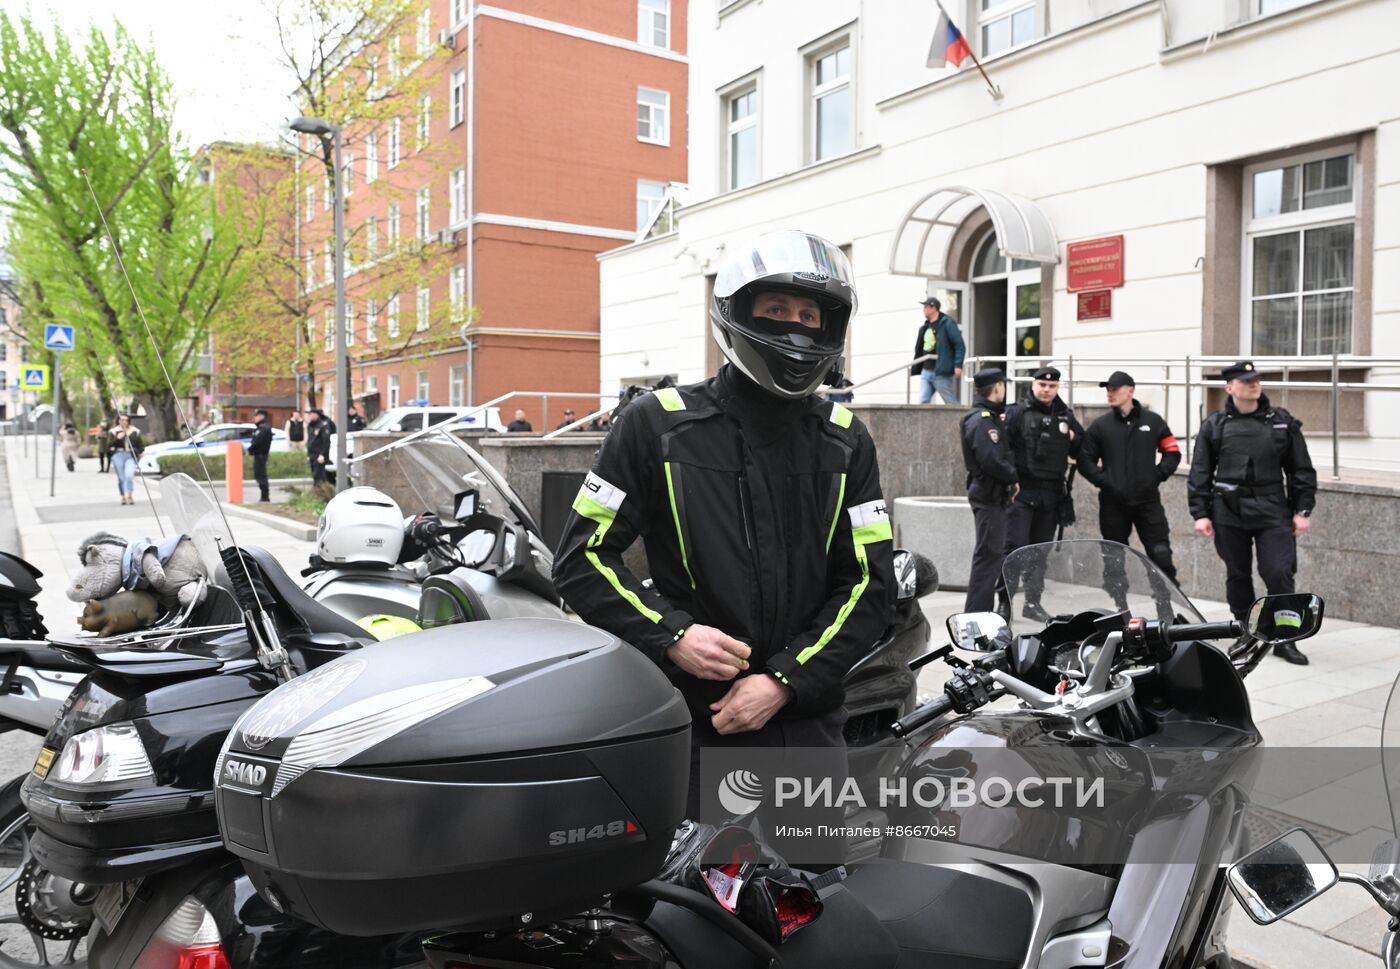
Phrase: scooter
x=535 y=843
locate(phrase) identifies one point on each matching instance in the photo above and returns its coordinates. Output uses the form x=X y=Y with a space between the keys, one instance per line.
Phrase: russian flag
x=949 y=47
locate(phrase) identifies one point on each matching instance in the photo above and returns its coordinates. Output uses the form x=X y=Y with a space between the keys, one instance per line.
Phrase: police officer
x=1252 y=488
x=991 y=484
x=1044 y=436
x=1127 y=454
x=767 y=538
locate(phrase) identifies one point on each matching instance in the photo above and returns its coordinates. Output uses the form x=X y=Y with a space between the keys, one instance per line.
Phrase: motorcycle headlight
x=110 y=754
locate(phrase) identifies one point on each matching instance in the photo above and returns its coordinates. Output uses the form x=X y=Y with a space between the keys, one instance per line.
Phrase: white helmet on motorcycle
x=360 y=526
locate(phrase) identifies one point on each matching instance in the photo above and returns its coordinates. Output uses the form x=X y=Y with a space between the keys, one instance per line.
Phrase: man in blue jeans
x=939 y=335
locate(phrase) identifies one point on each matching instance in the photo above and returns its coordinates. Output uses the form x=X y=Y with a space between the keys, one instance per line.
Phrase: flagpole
x=992 y=89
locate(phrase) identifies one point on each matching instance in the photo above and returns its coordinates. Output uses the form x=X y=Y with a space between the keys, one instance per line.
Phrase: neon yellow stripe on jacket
x=871 y=524
x=676 y=517
x=604 y=517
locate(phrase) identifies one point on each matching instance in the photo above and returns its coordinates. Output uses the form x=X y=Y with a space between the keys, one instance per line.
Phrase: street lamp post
x=315 y=126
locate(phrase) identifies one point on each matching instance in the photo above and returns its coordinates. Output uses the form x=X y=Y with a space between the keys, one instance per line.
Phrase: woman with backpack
x=126 y=451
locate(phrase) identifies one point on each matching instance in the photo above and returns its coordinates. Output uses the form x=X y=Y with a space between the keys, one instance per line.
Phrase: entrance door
x=1023 y=319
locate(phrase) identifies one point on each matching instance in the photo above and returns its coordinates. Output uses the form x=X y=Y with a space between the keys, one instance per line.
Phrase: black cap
x=988 y=376
x=1046 y=373
x=1118 y=379
x=1244 y=370
x=259 y=411
x=932 y=302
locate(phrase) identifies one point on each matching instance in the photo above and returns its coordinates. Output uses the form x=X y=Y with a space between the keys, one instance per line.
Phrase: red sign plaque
x=1097 y=304
x=1095 y=264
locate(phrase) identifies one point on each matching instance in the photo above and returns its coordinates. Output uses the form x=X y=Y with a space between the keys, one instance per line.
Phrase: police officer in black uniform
x=1044 y=436
x=1252 y=488
x=991 y=484
x=1128 y=453
x=766 y=533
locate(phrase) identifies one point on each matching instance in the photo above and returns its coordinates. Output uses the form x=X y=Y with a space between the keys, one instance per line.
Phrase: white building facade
x=1237 y=162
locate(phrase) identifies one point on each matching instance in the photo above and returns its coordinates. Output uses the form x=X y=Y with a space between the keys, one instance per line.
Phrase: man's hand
x=707 y=653
x=749 y=704
x=1206 y=528
x=957 y=372
x=1301 y=525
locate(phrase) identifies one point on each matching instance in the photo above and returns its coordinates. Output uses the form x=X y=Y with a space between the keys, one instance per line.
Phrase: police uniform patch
x=1064 y=427
x=994 y=435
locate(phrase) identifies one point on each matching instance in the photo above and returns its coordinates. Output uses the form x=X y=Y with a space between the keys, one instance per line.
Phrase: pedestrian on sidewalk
x=1252 y=488
x=318 y=444
x=104 y=448
x=939 y=335
x=259 y=448
x=127 y=447
x=70 y=446
x=296 y=432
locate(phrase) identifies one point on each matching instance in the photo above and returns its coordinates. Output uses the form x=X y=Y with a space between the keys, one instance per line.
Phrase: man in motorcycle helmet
x=759 y=504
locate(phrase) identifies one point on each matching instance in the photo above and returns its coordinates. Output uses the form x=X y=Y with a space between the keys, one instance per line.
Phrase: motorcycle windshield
x=426 y=473
x=1067 y=578
x=190 y=508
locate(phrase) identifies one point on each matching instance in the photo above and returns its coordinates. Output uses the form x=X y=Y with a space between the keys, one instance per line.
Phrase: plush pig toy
x=122 y=612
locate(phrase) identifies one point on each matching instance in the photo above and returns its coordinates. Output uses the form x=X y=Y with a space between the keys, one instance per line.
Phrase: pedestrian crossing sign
x=58 y=337
x=34 y=376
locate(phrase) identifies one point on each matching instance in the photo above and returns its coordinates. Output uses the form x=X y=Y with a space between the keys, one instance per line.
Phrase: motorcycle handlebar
x=926 y=713
x=1205 y=630
x=425 y=530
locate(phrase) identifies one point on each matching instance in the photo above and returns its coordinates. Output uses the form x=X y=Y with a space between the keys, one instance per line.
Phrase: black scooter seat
x=888 y=915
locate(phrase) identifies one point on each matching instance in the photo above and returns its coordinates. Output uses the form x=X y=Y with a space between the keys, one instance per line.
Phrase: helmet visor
x=783 y=252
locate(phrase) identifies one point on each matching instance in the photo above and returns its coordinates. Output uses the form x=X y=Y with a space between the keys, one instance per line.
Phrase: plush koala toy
x=120 y=613
x=171 y=568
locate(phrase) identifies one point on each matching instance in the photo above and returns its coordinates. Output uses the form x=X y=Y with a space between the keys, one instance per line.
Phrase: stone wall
x=1350 y=557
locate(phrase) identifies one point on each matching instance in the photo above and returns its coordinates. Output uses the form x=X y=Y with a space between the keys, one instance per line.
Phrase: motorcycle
x=36 y=678
x=535 y=840
x=1292 y=870
x=126 y=842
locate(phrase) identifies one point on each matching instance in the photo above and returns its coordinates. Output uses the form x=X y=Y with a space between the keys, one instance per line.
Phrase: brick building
x=538 y=133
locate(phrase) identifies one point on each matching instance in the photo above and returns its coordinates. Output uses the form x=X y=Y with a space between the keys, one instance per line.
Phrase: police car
x=212 y=440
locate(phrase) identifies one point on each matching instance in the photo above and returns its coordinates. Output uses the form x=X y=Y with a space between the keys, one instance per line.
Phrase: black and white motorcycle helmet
x=360 y=526
x=786 y=359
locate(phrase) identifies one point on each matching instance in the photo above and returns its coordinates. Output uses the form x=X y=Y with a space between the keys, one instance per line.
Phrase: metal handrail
x=881 y=376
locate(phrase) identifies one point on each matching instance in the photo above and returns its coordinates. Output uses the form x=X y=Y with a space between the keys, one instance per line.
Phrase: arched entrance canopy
x=922 y=242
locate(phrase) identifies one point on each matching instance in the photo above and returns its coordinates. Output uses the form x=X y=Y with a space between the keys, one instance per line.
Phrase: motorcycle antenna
x=271 y=653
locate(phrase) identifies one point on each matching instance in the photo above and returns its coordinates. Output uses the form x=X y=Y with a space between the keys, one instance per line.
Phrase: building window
x=330 y=194
x=457 y=193
x=347 y=173
x=328 y=256
x=653 y=113
x=329 y=344
x=394 y=57
x=1004 y=24
x=423 y=387
x=457 y=386
x=371 y=157
x=1300 y=241
x=741 y=136
x=310 y=201
x=654 y=23
x=459 y=11
x=391 y=310
x=371 y=238
x=425 y=111
x=349 y=323
x=459 y=96
x=371 y=320
x=421 y=321
x=832 y=118
x=310 y=269
x=393 y=390
x=458 y=293
x=394 y=221
x=425 y=31
x=395 y=135
x=649 y=198
x=1266 y=7
x=372 y=74
x=422 y=214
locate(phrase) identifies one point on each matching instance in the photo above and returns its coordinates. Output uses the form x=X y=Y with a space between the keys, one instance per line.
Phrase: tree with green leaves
x=87 y=148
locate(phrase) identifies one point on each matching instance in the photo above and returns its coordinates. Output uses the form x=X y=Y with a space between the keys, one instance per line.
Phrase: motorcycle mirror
x=465 y=504
x=1285 y=618
x=1282 y=876
x=981 y=632
x=915 y=575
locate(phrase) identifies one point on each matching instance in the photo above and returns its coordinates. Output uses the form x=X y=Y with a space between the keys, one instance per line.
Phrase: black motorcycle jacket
x=1044 y=437
x=760 y=517
x=1251 y=470
x=1121 y=455
x=991 y=470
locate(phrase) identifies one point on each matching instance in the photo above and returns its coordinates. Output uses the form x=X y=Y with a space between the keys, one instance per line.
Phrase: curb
x=296 y=529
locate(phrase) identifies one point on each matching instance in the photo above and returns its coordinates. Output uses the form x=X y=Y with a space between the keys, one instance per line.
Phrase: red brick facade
x=553 y=116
